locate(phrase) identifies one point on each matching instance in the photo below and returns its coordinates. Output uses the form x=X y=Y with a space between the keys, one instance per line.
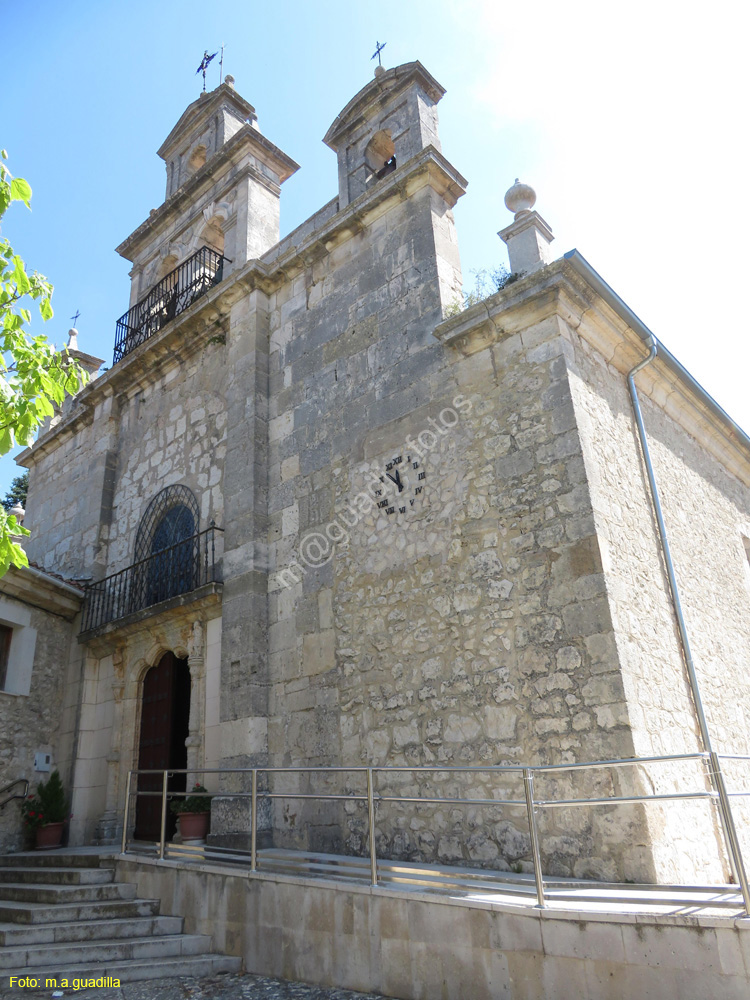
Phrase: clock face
x=403 y=482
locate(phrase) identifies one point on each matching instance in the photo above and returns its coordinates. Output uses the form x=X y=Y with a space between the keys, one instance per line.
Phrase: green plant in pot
x=193 y=813
x=46 y=812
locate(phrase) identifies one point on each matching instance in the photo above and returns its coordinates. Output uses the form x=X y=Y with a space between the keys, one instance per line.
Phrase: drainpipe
x=715 y=773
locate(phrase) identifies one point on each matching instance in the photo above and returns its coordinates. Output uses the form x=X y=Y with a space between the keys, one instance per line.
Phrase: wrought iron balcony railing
x=176 y=570
x=167 y=299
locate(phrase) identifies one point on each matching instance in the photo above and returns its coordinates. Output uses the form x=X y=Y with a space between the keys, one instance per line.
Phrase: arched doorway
x=165 y=717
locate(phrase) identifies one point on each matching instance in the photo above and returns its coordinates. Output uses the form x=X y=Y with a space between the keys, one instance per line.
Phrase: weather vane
x=378 y=49
x=75 y=318
x=204 y=65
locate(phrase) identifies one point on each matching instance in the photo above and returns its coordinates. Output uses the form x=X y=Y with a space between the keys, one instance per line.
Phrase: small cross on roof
x=378 y=49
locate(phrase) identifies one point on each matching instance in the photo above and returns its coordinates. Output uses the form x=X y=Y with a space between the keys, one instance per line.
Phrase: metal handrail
x=174 y=570
x=12 y=784
x=168 y=298
x=372 y=798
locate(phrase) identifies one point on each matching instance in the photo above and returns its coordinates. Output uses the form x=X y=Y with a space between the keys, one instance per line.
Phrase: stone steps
x=38 y=913
x=197 y=966
x=109 y=950
x=57 y=876
x=18 y=892
x=52 y=860
x=88 y=930
x=64 y=917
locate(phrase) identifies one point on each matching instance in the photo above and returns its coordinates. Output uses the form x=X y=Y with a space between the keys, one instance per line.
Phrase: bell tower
x=383 y=126
x=223 y=184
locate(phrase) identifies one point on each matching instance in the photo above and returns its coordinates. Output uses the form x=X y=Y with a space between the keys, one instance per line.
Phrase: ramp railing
x=372 y=793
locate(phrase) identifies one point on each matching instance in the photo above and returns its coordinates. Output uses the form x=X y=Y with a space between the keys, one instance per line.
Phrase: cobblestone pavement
x=225 y=987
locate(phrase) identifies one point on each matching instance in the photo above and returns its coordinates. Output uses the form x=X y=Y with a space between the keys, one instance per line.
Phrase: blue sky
x=629 y=121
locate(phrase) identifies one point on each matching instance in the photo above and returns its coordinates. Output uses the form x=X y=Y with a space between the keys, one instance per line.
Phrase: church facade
x=324 y=517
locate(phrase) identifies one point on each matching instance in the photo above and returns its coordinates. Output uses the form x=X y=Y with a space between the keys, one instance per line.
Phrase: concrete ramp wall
x=417 y=946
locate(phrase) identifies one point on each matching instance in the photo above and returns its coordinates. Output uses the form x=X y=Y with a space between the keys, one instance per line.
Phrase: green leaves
x=34 y=376
x=20 y=191
x=10 y=551
x=23 y=285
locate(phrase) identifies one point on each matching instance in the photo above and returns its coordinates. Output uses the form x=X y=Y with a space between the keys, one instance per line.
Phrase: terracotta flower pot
x=49 y=835
x=194 y=826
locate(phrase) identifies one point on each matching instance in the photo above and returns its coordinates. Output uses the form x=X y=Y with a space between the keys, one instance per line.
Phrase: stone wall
x=39 y=719
x=69 y=504
x=474 y=627
x=423 y=947
x=94 y=749
x=90 y=485
x=171 y=431
x=706 y=510
x=508 y=606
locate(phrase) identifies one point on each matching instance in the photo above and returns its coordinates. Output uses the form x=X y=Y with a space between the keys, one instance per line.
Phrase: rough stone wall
x=514 y=611
x=69 y=503
x=35 y=722
x=473 y=629
x=87 y=496
x=171 y=431
x=706 y=511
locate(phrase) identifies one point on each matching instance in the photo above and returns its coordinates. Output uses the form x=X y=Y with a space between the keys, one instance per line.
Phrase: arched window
x=380 y=156
x=197 y=159
x=167 y=265
x=212 y=235
x=167 y=553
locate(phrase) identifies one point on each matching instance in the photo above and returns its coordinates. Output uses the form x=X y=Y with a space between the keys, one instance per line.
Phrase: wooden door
x=164 y=729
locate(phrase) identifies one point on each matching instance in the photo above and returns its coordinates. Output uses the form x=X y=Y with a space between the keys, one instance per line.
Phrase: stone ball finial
x=229 y=80
x=520 y=198
x=18 y=511
x=379 y=70
x=72 y=339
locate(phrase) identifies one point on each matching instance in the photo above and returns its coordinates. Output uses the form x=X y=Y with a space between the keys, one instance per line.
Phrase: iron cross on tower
x=204 y=66
x=75 y=318
x=378 y=49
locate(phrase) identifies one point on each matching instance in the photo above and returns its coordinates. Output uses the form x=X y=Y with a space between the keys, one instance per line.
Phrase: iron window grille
x=170 y=517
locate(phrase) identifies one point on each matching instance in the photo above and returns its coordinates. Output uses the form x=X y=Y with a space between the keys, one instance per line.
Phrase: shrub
x=48 y=805
x=199 y=801
x=486 y=283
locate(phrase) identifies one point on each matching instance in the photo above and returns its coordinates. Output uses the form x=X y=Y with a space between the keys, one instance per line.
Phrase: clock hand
x=396 y=479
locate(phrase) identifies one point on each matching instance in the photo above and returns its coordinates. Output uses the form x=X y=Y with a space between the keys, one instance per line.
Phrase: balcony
x=169 y=573
x=167 y=299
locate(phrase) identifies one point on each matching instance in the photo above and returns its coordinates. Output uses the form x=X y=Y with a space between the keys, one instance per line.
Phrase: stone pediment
x=196 y=116
x=382 y=90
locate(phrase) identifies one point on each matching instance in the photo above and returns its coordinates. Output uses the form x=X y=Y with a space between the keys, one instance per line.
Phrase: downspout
x=715 y=773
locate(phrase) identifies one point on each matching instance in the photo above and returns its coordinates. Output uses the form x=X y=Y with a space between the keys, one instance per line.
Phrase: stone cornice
x=247 y=139
x=34 y=586
x=561 y=289
x=202 y=604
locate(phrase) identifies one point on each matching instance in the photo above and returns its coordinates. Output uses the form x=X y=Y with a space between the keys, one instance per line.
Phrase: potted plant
x=45 y=812
x=193 y=813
